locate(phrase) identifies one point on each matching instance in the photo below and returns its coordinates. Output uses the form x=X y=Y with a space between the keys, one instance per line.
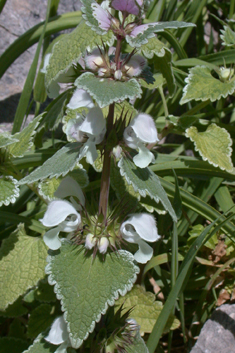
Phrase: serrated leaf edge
x=203 y=99
x=142 y=192
x=12 y=198
x=116 y=100
x=97 y=29
x=110 y=302
x=205 y=158
x=37 y=339
x=30 y=142
x=11 y=140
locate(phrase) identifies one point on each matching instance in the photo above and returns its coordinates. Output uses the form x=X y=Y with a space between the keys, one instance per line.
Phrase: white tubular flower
x=135 y=65
x=94 y=127
x=80 y=98
x=63 y=216
x=69 y=187
x=141 y=131
x=58 y=335
x=140 y=226
x=90 y=130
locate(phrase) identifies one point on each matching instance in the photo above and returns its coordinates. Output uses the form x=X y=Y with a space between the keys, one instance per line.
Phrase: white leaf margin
x=16 y=192
x=110 y=302
x=205 y=158
x=203 y=99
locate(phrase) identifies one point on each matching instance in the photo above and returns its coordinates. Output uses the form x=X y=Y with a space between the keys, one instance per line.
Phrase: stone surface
x=16 y=18
x=218 y=333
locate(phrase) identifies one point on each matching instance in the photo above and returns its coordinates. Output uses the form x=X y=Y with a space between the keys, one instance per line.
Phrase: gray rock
x=218 y=333
x=16 y=18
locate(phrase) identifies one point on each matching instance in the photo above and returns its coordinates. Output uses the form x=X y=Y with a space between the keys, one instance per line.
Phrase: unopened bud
x=115 y=24
x=118 y=74
x=102 y=72
x=225 y=73
x=94 y=60
x=103 y=245
x=129 y=28
x=90 y=241
x=135 y=65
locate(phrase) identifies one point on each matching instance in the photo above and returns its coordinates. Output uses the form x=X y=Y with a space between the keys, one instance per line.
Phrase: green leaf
x=48 y=187
x=18 y=149
x=164 y=65
x=87 y=286
x=214 y=145
x=44 y=292
x=159 y=82
x=10 y=344
x=227 y=36
x=89 y=15
x=62 y=161
x=17 y=329
x=146 y=183
x=40 y=319
x=149 y=32
x=15 y=310
x=153 y=47
x=40 y=345
x=106 y=91
x=70 y=48
x=201 y=85
x=7 y=139
x=145 y=310
x=138 y=346
x=54 y=112
x=9 y=191
x=23 y=259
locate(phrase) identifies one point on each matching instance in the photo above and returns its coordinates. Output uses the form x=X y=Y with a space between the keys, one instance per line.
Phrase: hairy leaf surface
x=87 y=286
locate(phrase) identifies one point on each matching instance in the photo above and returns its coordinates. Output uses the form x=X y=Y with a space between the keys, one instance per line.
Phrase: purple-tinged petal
x=102 y=16
x=141 y=29
x=126 y=6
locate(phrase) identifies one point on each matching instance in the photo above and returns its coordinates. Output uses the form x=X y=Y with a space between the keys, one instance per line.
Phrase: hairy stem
x=105 y=178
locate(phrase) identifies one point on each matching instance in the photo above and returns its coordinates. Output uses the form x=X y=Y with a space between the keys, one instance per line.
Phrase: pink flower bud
x=135 y=65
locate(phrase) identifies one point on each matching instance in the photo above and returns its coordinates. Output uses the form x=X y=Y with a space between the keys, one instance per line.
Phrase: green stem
x=105 y=178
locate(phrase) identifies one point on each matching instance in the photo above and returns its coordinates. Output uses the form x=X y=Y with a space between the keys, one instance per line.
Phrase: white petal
x=144 y=253
x=94 y=123
x=57 y=211
x=144 y=128
x=135 y=65
x=62 y=348
x=91 y=153
x=51 y=238
x=144 y=225
x=144 y=157
x=129 y=137
x=73 y=130
x=80 y=98
x=58 y=333
x=94 y=60
x=71 y=225
x=69 y=187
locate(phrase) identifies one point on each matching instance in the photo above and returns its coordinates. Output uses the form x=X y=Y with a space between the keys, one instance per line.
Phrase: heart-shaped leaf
x=9 y=190
x=106 y=91
x=87 y=286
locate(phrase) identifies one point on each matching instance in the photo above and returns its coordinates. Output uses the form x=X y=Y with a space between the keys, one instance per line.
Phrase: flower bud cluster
x=103 y=64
